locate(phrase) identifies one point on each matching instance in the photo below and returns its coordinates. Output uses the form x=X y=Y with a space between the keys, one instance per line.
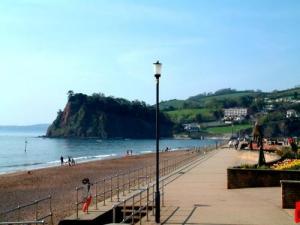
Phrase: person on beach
x=69 y=161
x=61 y=160
x=73 y=161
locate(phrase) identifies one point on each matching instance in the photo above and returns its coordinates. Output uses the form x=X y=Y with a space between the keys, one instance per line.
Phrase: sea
x=23 y=151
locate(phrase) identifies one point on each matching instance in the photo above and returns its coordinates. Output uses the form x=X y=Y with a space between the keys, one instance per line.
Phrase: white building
x=191 y=127
x=291 y=113
x=235 y=112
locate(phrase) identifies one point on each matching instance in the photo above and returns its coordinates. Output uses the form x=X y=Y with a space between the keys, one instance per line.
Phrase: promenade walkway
x=200 y=196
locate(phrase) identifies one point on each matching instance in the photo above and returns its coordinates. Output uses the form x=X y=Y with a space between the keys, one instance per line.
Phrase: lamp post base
x=157 y=207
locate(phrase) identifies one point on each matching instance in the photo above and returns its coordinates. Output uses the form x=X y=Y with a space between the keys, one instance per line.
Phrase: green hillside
x=208 y=107
x=190 y=115
x=205 y=99
x=201 y=100
x=284 y=93
x=227 y=129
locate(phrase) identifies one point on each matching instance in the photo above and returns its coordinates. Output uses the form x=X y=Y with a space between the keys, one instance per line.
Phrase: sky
x=48 y=47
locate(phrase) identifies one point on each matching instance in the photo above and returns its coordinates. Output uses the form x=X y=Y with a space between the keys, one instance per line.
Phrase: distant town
x=229 y=111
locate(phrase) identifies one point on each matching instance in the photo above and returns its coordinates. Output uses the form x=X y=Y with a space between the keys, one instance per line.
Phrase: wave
x=56 y=162
x=145 y=152
x=22 y=165
x=87 y=158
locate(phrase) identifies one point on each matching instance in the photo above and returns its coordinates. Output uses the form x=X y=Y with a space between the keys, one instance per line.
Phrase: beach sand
x=60 y=182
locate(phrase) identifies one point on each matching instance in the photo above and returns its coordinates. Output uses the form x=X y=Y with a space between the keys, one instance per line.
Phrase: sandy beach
x=60 y=182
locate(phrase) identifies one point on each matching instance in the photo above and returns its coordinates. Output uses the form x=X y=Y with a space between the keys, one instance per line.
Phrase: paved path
x=200 y=197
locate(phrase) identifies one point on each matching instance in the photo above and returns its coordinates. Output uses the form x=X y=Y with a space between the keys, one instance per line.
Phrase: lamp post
x=157 y=72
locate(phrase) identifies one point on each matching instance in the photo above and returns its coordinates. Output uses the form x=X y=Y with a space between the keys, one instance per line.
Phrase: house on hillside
x=269 y=107
x=235 y=114
x=291 y=113
x=191 y=127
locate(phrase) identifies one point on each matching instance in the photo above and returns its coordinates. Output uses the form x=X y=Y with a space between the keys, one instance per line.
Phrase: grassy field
x=172 y=103
x=187 y=115
x=203 y=100
x=284 y=93
x=232 y=96
x=227 y=129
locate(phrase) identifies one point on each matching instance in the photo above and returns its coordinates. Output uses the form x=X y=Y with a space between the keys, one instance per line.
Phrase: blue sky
x=48 y=47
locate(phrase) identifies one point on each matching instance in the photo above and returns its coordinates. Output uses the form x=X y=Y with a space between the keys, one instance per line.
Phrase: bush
x=287 y=153
x=248 y=166
x=294 y=147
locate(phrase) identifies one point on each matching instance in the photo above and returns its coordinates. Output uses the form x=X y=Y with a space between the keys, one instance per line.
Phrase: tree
x=218 y=114
x=246 y=101
x=295 y=95
x=258 y=137
x=70 y=94
x=225 y=91
x=198 y=117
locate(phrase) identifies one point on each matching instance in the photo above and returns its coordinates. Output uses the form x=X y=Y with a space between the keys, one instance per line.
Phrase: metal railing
x=124 y=182
x=37 y=217
x=144 y=200
x=134 y=205
x=22 y=222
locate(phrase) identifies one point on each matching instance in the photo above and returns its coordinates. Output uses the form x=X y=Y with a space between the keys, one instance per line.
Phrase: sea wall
x=246 y=178
x=290 y=193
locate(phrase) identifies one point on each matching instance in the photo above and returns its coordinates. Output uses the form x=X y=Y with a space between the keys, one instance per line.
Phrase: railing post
x=114 y=214
x=132 y=213
x=124 y=185
x=129 y=178
x=96 y=196
x=147 y=204
x=36 y=209
x=50 y=208
x=145 y=175
x=140 y=209
x=153 y=200
x=163 y=192
x=76 y=202
x=146 y=170
x=124 y=210
x=118 y=187
x=111 y=188
x=104 y=192
x=138 y=178
x=19 y=212
x=133 y=173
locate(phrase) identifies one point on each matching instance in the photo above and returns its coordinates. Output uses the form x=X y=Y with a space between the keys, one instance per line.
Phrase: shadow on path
x=171 y=219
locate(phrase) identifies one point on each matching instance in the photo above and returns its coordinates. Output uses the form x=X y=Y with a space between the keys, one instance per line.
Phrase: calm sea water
x=46 y=152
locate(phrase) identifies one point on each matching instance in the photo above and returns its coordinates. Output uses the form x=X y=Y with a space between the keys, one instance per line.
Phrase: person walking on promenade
x=88 y=195
x=61 y=160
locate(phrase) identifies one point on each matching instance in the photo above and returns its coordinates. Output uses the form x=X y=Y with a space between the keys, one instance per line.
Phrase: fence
x=22 y=223
x=124 y=182
x=141 y=202
x=37 y=217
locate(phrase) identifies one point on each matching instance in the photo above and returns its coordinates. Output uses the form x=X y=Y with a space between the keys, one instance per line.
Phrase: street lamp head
x=157 y=69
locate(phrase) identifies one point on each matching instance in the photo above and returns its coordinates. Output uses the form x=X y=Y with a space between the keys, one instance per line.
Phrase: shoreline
x=78 y=162
x=57 y=165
